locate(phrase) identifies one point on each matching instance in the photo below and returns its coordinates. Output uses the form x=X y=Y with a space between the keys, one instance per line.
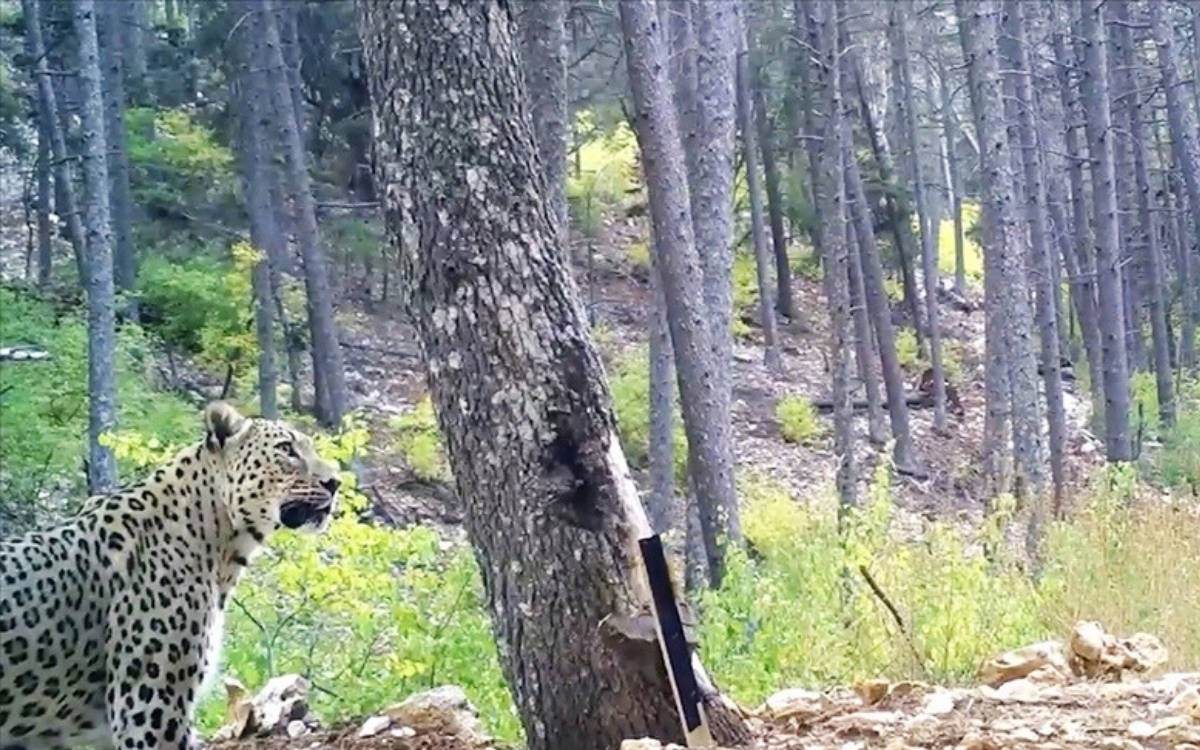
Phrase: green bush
x=745 y=293
x=801 y=614
x=607 y=171
x=972 y=252
x=419 y=440
x=44 y=405
x=629 y=384
x=639 y=256
x=1143 y=403
x=807 y=265
x=797 y=420
x=176 y=161
x=907 y=350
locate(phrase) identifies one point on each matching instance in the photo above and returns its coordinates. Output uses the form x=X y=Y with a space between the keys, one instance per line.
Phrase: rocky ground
x=1090 y=691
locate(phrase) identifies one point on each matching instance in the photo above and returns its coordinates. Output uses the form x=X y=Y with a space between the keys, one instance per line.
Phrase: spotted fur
x=109 y=623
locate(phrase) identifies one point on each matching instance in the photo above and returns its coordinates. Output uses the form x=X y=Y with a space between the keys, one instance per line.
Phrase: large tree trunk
x=979 y=31
x=704 y=397
x=328 y=376
x=135 y=21
x=65 y=204
x=758 y=229
x=905 y=101
x=662 y=415
x=102 y=381
x=109 y=25
x=1098 y=121
x=832 y=212
x=516 y=381
x=1040 y=240
x=544 y=45
x=1183 y=126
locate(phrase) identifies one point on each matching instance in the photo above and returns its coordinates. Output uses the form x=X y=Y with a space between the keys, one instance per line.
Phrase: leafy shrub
x=907 y=350
x=893 y=288
x=420 y=441
x=745 y=292
x=175 y=161
x=203 y=305
x=972 y=252
x=1178 y=462
x=807 y=265
x=802 y=615
x=639 y=256
x=607 y=170
x=797 y=419
x=368 y=613
x=629 y=384
x=1143 y=403
x=44 y=406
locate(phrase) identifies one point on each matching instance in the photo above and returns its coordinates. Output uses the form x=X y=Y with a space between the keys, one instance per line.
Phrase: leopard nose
x=331 y=485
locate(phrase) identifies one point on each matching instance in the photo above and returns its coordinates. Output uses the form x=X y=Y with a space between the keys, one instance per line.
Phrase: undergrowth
x=802 y=613
x=629 y=383
x=797 y=420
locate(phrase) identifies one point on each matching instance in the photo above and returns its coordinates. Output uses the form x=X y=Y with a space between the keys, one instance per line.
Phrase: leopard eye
x=290 y=448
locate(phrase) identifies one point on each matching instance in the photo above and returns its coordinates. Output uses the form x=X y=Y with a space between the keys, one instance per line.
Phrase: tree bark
x=135 y=21
x=979 y=31
x=516 y=381
x=864 y=359
x=662 y=414
x=784 y=304
x=45 y=257
x=832 y=227
x=1080 y=265
x=102 y=381
x=1147 y=223
x=544 y=45
x=109 y=26
x=264 y=231
x=1098 y=119
x=65 y=204
x=704 y=401
x=898 y=213
x=1040 y=241
x=1183 y=127
x=905 y=102
x=758 y=230
x=954 y=183
x=328 y=375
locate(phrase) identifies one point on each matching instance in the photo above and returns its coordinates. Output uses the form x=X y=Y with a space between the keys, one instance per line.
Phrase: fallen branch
x=883 y=597
x=914 y=401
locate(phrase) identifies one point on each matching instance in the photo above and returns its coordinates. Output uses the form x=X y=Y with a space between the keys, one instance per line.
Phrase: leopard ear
x=221 y=421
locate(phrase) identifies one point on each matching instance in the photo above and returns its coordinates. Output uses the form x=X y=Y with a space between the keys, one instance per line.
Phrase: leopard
x=111 y=621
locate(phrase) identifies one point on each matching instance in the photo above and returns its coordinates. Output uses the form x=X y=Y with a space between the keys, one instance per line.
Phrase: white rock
x=296 y=728
x=938 y=704
x=374 y=726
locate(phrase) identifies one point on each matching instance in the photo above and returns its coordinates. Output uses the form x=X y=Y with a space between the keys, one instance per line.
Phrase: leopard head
x=272 y=474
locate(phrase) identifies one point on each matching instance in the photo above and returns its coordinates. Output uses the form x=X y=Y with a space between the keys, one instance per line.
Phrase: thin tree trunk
x=1183 y=128
x=1040 y=240
x=762 y=260
x=65 y=203
x=544 y=45
x=881 y=313
x=45 y=258
x=954 y=183
x=102 y=382
x=704 y=401
x=326 y=354
x=135 y=23
x=520 y=394
x=112 y=64
x=905 y=102
x=1147 y=222
x=264 y=232
x=864 y=355
x=832 y=227
x=1080 y=266
x=897 y=208
x=1098 y=121
x=979 y=31
x=779 y=241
